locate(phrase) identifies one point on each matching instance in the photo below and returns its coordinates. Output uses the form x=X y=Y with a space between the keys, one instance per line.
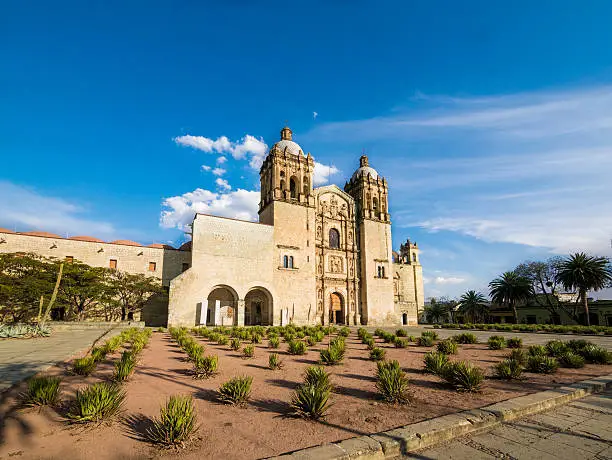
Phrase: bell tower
x=370 y=192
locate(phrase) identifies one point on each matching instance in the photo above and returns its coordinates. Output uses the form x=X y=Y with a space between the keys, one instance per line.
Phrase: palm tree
x=473 y=304
x=509 y=289
x=436 y=311
x=584 y=273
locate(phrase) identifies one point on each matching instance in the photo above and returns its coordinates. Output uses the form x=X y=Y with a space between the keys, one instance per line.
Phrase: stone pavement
x=528 y=337
x=21 y=358
x=579 y=430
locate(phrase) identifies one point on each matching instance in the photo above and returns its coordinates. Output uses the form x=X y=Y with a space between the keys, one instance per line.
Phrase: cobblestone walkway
x=19 y=359
x=576 y=431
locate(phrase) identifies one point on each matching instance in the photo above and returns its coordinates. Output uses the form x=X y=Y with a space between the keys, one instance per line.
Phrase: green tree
x=24 y=278
x=81 y=289
x=509 y=289
x=127 y=293
x=439 y=309
x=584 y=273
x=473 y=305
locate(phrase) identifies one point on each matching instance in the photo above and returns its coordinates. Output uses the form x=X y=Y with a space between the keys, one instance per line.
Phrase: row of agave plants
x=24 y=331
x=99 y=401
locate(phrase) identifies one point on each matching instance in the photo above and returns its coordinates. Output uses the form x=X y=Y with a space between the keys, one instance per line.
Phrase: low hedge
x=547 y=328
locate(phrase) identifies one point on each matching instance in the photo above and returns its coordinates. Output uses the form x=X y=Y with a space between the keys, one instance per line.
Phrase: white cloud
x=25 y=209
x=206 y=168
x=221 y=160
x=223 y=184
x=179 y=210
x=218 y=171
x=248 y=147
x=448 y=280
x=323 y=172
x=315 y=115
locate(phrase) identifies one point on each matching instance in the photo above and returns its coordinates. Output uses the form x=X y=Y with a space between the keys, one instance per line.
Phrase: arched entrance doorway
x=336 y=308
x=258 y=308
x=221 y=307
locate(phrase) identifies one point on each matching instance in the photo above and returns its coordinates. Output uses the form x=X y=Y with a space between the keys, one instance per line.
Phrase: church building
x=317 y=255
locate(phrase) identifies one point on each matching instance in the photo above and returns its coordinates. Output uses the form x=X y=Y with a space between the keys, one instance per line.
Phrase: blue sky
x=490 y=120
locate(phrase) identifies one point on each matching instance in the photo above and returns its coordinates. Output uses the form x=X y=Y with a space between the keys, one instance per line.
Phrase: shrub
x=97 y=402
x=596 y=355
x=432 y=334
x=316 y=375
x=571 y=360
x=84 y=366
x=435 y=362
x=578 y=344
x=400 y=343
x=274 y=361
x=345 y=331
x=235 y=344
x=377 y=354
x=333 y=354
x=464 y=376
x=248 y=351
x=369 y=342
x=379 y=332
x=392 y=383
x=515 y=342
x=176 y=422
x=205 y=366
x=223 y=340
x=388 y=338
x=274 y=342
x=256 y=338
x=401 y=333
x=297 y=347
x=425 y=341
x=362 y=332
x=509 y=369
x=556 y=347
x=319 y=336
x=496 y=342
x=42 y=391
x=537 y=350
x=518 y=355
x=311 y=401
x=448 y=347
x=466 y=337
x=124 y=367
x=99 y=353
x=311 y=341
x=236 y=390
x=542 y=364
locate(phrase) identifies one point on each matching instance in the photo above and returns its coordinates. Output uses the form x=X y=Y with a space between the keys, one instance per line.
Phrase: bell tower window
x=293 y=188
x=334 y=238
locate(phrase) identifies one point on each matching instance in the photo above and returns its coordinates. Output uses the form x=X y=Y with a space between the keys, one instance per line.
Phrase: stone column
x=240 y=309
x=216 y=320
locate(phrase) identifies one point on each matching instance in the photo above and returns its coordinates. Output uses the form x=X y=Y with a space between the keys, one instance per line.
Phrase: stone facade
x=317 y=256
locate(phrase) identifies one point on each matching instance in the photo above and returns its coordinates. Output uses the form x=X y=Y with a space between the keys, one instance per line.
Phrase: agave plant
x=176 y=422
x=236 y=390
x=42 y=391
x=97 y=402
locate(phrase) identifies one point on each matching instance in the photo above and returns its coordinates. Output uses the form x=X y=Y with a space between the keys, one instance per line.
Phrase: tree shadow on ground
x=137 y=426
x=207 y=395
x=257 y=366
x=355 y=392
x=306 y=361
x=359 y=377
x=277 y=406
x=283 y=383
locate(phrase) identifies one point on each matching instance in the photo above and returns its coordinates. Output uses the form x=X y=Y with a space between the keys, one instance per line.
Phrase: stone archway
x=337 y=310
x=258 y=307
x=221 y=306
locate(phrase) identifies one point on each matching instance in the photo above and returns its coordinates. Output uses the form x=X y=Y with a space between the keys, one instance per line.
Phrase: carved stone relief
x=335 y=264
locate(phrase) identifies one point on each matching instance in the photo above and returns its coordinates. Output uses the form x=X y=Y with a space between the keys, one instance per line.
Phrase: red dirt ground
x=263 y=428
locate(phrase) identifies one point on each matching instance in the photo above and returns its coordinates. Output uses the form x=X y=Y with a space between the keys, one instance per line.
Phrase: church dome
x=364 y=169
x=286 y=142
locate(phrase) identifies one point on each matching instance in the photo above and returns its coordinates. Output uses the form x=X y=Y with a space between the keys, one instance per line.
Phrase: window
x=286 y=261
x=334 y=238
x=413 y=257
x=293 y=187
x=113 y=263
x=69 y=259
x=152 y=266
x=380 y=271
x=185 y=267
x=290 y=261
x=306 y=187
x=375 y=204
